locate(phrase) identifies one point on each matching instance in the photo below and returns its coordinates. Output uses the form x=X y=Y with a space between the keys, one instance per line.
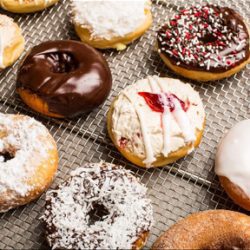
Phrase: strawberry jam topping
x=157 y=104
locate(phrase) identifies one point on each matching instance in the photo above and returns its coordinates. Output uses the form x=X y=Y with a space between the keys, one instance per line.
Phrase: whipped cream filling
x=107 y=19
x=149 y=134
x=233 y=156
x=7 y=35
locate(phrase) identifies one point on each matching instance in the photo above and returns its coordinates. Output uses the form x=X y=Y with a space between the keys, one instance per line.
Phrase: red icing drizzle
x=155 y=102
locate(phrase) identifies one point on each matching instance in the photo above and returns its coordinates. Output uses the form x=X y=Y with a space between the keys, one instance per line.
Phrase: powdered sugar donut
x=11 y=42
x=26 y=6
x=205 y=43
x=101 y=206
x=156 y=121
x=28 y=160
x=232 y=163
x=111 y=23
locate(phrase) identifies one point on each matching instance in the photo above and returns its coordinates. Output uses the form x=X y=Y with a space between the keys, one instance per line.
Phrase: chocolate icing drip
x=69 y=76
x=205 y=38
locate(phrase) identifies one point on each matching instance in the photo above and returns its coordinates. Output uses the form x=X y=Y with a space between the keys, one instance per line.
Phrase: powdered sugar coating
x=109 y=18
x=25 y=139
x=68 y=208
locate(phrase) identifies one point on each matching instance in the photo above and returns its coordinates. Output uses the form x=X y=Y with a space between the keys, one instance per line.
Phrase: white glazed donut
x=232 y=163
x=101 y=206
x=156 y=121
x=28 y=160
x=111 y=23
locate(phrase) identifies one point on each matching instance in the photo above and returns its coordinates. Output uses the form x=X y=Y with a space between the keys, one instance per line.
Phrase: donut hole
x=62 y=62
x=97 y=213
x=6 y=156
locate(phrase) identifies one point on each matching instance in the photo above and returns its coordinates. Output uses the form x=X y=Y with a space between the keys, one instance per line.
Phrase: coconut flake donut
x=28 y=160
x=156 y=121
x=101 y=206
x=213 y=229
x=11 y=42
x=232 y=163
x=111 y=23
x=205 y=43
x=26 y=6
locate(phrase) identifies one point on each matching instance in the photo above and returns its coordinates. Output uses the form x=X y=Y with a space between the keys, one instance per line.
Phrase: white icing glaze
x=109 y=18
x=233 y=156
x=165 y=133
x=7 y=34
x=115 y=188
x=27 y=140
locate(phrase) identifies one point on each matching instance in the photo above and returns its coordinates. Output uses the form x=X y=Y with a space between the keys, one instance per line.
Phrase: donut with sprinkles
x=205 y=43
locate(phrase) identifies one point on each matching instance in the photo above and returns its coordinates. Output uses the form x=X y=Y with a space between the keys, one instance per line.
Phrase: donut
x=63 y=79
x=101 y=206
x=205 y=43
x=26 y=6
x=156 y=121
x=11 y=42
x=232 y=163
x=28 y=160
x=212 y=229
x=110 y=24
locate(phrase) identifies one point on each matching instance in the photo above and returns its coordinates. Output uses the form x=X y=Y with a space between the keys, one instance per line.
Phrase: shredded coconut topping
x=23 y=146
x=91 y=190
x=109 y=18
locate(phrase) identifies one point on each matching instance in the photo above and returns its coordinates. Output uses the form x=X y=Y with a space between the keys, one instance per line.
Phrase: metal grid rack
x=177 y=190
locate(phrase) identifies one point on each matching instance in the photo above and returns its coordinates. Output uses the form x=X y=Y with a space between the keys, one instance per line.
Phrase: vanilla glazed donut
x=111 y=23
x=212 y=229
x=28 y=160
x=232 y=163
x=26 y=6
x=205 y=43
x=156 y=121
x=11 y=42
x=101 y=206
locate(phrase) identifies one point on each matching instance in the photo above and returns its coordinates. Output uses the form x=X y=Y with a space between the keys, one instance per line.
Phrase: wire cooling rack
x=177 y=190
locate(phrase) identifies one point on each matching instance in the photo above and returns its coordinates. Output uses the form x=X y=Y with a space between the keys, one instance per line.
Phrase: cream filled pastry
x=156 y=121
x=11 y=41
x=26 y=6
x=232 y=163
x=111 y=23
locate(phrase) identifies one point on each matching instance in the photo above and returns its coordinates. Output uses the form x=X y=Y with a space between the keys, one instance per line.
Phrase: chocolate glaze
x=71 y=77
x=213 y=39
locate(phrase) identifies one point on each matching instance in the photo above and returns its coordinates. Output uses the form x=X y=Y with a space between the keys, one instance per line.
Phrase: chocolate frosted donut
x=206 y=39
x=64 y=78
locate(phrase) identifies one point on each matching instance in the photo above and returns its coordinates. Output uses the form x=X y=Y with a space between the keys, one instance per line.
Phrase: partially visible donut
x=28 y=160
x=11 y=42
x=205 y=43
x=26 y=6
x=101 y=206
x=64 y=78
x=111 y=24
x=213 y=229
x=232 y=163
